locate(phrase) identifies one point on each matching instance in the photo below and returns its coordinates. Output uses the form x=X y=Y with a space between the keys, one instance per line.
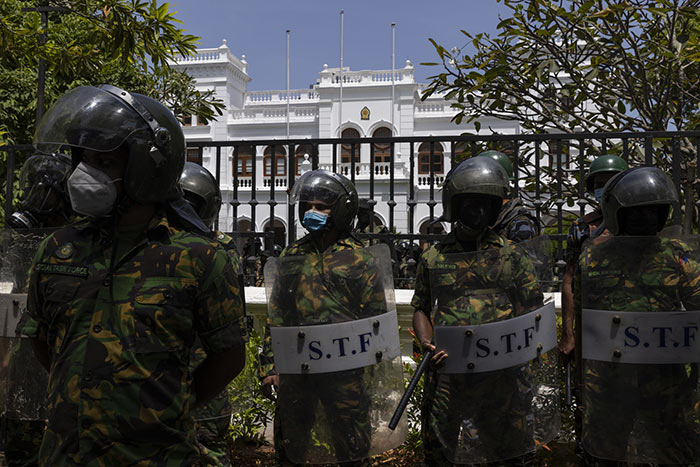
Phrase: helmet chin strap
x=466 y=234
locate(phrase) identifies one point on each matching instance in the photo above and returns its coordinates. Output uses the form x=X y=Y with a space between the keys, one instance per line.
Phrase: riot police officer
x=201 y=191
x=472 y=277
x=323 y=378
x=44 y=206
x=45 y=202
x=514 y=221
x=639 y=375
x=602 y=169
x=116 y=301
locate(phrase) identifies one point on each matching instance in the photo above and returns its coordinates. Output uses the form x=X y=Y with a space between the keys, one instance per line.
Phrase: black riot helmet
x=202 y=191
x=636 y=188
x=105 y=118
x=42 y=181
x=477 y=176
x=330 y=188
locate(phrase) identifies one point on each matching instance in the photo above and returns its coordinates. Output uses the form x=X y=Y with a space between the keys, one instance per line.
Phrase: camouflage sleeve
x=421 y=297
x=576 y=284
x=219 y=311
x=35 y=325
x=521 y=229
x=689 y=287
x=266 y=357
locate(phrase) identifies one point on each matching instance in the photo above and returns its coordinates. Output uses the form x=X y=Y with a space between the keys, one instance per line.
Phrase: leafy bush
x=251 y=410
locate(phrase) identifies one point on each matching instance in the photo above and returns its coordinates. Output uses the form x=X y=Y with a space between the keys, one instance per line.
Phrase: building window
x=187 y=120
x=382 y=151
x=193 y=155
x=557 y=157
x=424 y=158
x=245 y=161
x=280 y=162
x=299 y=153
x=346 y=152
x=200 y=122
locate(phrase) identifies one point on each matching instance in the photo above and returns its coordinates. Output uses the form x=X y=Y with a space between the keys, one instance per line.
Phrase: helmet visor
x=88 y=118
x=316 y=187
x=643 y=186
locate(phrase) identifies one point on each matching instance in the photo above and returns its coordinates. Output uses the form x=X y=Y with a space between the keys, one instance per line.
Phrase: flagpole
x=287 y=83
x=340 y=107
x=393 y=55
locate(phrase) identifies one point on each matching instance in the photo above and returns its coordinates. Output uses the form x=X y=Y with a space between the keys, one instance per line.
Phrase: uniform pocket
x=59 y=292
x=163 y=314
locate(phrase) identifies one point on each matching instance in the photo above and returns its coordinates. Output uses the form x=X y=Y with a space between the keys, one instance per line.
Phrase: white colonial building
x=366 y=110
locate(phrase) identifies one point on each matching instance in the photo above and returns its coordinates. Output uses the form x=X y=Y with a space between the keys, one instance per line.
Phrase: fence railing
x=548 y=169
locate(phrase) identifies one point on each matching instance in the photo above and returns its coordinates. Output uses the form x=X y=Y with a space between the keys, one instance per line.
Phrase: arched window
x=279 y=165
x=245 y=161
x=382 y=151
x=424 y=158
x=346 y=150
x=299 y=154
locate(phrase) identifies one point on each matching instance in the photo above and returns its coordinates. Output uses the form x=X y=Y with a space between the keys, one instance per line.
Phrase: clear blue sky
x=257 y=29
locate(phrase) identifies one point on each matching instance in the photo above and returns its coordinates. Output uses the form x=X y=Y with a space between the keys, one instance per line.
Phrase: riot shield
x=23 y=380
x=335 y=340
x=497 y=395
x=639 y=331
x=539 y=251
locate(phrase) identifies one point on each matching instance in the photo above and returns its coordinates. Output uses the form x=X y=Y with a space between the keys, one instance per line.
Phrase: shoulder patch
x=65 y=269
x=66 y=251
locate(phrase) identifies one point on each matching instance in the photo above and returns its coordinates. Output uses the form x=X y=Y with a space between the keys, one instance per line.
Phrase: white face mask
x=92 y=193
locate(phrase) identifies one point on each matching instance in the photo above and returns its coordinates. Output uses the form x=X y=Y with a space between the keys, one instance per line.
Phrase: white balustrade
x=280 y=97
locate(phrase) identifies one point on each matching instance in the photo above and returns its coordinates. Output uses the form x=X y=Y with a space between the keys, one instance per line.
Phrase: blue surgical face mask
x=598 y=193
x=314 y=220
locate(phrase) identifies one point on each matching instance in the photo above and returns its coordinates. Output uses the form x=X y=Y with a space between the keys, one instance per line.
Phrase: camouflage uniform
x=212 y=420
x=344 y=401
x=515 y=222
x=120 y=388
x=657 y=275
x=508 y=288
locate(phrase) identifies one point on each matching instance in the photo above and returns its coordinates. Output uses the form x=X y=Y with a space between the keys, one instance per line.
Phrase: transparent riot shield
x=640 y=343
x=539 y=251
x=497 y=396
x=23 y=380
x=335 y=340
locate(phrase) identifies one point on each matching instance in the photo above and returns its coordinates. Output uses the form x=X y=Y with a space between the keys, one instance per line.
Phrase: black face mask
x=643 y=220
x=474 y=215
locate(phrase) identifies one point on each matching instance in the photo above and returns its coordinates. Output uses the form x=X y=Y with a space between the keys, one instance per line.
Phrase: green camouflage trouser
x=344 y=403
x=655 y=401
x=22 y=441
x=211 y=425
x=492 y=413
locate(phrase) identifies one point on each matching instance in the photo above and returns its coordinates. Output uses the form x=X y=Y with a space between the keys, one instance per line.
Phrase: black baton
x=409 y=390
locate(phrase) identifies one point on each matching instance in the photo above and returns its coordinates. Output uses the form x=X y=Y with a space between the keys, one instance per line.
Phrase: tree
x=126 y=43
x=575 y=65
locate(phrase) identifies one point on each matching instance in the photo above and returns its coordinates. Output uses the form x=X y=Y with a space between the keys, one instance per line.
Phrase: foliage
x=581 y=66
x=251 y=410
x=126 y=43
x=571 y=65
